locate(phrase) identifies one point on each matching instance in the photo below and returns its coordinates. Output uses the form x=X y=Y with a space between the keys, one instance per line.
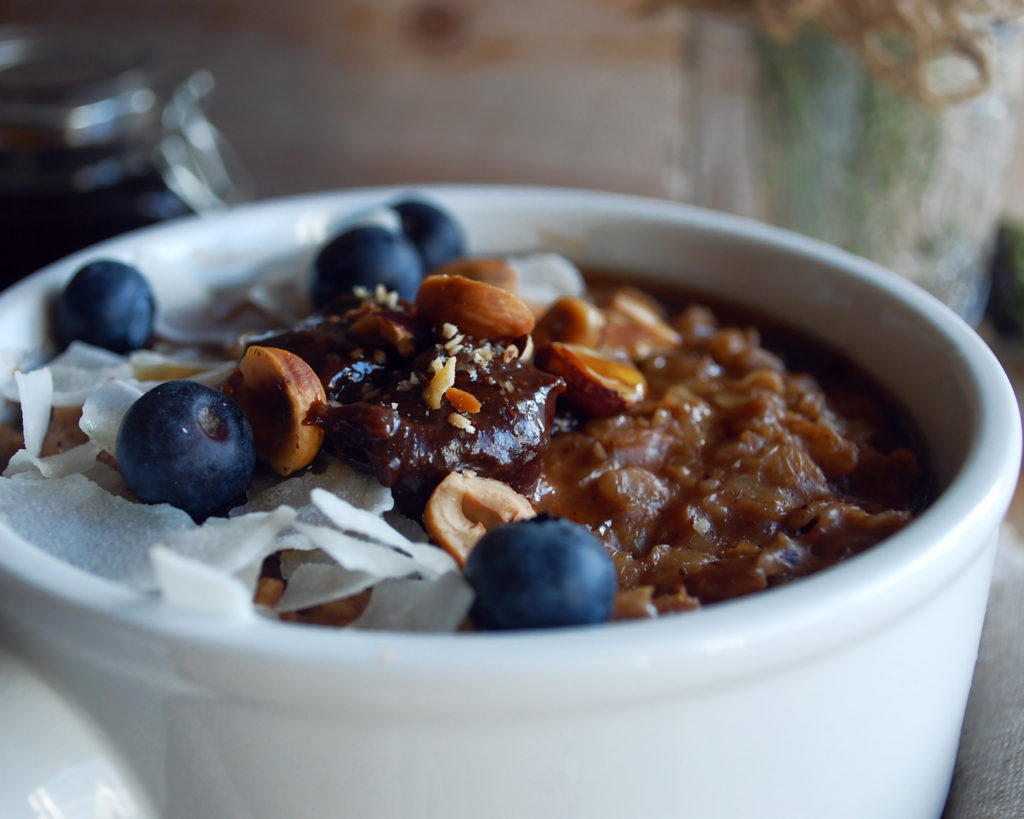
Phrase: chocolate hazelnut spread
x=378 y=417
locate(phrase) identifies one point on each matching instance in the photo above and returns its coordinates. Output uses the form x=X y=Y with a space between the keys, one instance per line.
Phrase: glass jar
x=94 y=142
x=799 y=133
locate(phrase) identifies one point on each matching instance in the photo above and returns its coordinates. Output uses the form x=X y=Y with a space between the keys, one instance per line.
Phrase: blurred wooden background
x=317 y=94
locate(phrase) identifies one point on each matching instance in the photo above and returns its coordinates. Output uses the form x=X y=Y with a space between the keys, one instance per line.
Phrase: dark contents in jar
x=41 y=227
x=721 y=469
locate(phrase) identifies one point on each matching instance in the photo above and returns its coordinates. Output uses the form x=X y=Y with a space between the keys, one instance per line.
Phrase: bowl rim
x=879 y=583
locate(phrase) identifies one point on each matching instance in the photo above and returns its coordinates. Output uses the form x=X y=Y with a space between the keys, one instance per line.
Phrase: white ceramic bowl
x=840 y=695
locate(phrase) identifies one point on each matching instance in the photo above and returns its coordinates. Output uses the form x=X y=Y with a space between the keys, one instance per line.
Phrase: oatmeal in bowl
x=528 y=458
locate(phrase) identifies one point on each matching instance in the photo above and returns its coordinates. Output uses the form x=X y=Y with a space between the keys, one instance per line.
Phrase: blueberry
x=436 y=235
x=366 y=255
x=540 y=573
x=188 y=445
x=108 y=304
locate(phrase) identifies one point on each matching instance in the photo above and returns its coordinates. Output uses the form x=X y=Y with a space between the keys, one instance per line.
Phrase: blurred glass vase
x=799 y=133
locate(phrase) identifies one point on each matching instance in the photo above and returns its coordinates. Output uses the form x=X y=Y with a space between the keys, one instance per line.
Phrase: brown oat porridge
x=709 y=459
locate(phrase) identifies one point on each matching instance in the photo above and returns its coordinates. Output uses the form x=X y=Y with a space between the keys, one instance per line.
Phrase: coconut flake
x=544 y=277
x=360 y=555
x=406 y=526
x=280 y=300
x=196 y=586
x=350 y=518
x=104 y=410
x=73 y=461
x=311 y=584
x=72 y=519
x=235 y=546
x=201 y=336
x=155 y=365
x=431 y=560
x=35 y=392
x=337 y=478
x=80 y=369
x=413 y=604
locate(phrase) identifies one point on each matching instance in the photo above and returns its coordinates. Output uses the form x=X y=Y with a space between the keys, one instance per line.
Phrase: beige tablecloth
x=989 y=778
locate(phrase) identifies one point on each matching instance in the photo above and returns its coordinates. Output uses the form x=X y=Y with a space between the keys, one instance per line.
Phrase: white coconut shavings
x=337 y=478
x=195 y=586
x=412 y=604
x=430 y=560
x=72 y=518
x=108 y=478
x=360 y=555
x=35 y=392
x=290 y=559
x=266 y=299
x=165 y=327
x=74 y=461
x=280 y=301
x=406 y=526
x=104 y=409
x=80 y=369
x=542 y=278
x=152 y=365
x=311 y=584
x=276 y=288
x=350 y=518
x=235 y=546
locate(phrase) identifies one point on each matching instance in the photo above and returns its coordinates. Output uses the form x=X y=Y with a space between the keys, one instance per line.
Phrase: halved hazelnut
x=596 y=385
x=477 y=308
x=489 y=270
x=276 y=389
x=573 y=321
x=463 y=508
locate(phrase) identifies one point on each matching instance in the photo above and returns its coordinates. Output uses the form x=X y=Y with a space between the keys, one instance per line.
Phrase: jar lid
x=72 y=90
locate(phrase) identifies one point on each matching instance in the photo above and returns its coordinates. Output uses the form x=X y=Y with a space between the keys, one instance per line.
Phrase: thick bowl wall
x=841 y=695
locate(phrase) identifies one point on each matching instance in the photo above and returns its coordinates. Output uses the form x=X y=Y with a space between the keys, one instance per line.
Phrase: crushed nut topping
x=443 y=379
x=463 y=401
x=461 y=422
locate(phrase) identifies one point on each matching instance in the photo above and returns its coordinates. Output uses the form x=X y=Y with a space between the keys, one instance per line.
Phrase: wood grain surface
x=318 y=94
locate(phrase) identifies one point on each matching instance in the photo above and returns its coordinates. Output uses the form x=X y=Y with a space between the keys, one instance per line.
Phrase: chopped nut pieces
x=443 y=379
x=463 y=508
x=277 y=390
x=461 y=422
x=478 y=309
x=597 y=385
x=462 y=400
